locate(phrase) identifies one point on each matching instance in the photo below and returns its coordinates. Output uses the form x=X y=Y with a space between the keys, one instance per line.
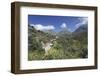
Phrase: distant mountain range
x=50 y=32
x=63 y=32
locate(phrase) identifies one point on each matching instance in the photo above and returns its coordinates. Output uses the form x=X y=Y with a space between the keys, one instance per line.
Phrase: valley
x=49 y=45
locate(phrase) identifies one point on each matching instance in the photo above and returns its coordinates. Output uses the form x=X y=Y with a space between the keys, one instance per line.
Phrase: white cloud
x=64 y=25
x=42 y=27
x=82 y=22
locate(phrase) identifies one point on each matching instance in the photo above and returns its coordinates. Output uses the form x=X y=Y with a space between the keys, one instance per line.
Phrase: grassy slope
x=65 y=47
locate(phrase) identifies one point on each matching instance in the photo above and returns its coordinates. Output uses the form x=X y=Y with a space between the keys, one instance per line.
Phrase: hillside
x=48 y=44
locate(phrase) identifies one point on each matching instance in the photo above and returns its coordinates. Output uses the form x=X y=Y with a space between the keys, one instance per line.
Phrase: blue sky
x=56 y=23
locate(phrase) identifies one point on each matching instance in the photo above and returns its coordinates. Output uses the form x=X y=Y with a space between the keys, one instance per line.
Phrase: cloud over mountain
x=64 y=25
x=42 y=27
x=82 y=22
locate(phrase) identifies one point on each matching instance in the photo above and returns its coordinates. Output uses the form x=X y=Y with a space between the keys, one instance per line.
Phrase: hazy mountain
x=52 y=32
x=64 y=32
x=82 y=28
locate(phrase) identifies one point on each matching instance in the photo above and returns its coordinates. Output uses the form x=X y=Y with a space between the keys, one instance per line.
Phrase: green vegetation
x=66 y=46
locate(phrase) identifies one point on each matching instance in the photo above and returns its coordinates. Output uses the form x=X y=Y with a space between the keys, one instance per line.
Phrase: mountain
x=81 y=33
x=38 y=35
x=64 y=32
x=82 y=28
x=51 y=32
x=66 y=44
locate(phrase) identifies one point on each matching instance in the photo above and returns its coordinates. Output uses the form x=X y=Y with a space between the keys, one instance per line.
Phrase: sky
x=56 y=23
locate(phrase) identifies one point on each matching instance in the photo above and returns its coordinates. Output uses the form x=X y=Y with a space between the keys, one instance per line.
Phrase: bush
x=54 y=54
x=35 y=55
